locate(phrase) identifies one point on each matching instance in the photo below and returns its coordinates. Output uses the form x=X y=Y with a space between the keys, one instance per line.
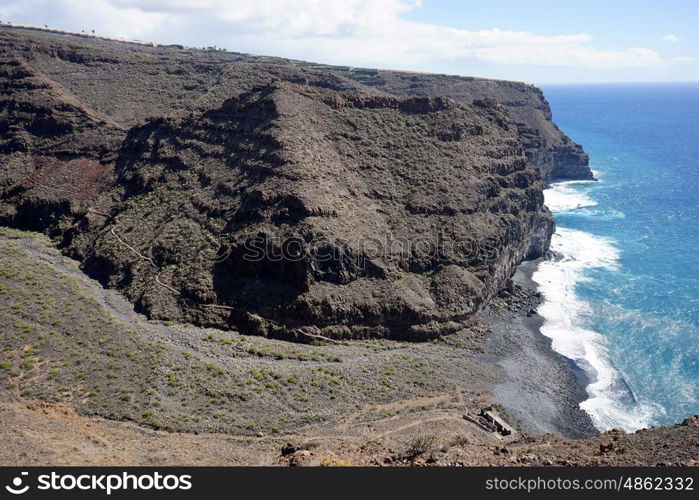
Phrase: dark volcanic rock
x=53 y=149
x=545 y=145
x=385 y=217
x=281 y=200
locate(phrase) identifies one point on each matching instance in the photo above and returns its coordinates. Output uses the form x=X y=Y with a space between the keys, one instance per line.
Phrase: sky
x=537 y=41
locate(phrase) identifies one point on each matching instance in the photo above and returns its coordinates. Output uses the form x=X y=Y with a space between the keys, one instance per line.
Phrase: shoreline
x=542 y=389
x=524 y=276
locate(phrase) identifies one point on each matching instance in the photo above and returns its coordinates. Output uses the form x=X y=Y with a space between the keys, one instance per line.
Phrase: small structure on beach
x=490 y=420
x=494 y=418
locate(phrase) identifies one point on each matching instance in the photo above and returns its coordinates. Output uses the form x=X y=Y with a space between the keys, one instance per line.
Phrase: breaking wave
x=611 y=403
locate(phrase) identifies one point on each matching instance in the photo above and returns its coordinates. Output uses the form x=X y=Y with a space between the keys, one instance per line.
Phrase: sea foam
x=611 y=403
x=565 y=196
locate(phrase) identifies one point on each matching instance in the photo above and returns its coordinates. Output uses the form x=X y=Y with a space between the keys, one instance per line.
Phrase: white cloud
x=671 y=38
x=356 y=32
x=104 y=16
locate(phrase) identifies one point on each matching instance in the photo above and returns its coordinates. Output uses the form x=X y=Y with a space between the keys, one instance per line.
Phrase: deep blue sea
x=622 y=298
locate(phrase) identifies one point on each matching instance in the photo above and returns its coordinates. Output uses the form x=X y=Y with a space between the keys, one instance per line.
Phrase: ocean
x=622 y=294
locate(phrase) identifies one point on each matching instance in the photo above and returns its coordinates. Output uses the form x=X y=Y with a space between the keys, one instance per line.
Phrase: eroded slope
x=406 y=214
x=407 y=209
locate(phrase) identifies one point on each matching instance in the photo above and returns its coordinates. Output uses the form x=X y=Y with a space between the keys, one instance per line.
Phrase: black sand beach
x=541 y=391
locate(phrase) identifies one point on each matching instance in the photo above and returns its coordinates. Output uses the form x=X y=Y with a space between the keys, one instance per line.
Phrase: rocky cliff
x=545 y=145
x=277 y=197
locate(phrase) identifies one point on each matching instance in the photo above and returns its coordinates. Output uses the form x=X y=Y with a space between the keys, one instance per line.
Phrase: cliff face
x=54 y=150
x=545 y=145
x=276 y=198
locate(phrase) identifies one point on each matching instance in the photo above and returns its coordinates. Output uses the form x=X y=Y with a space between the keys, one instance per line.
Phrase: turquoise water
x=622 y=299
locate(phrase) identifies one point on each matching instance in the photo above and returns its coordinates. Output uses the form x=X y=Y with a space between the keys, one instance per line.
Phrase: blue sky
x=542 y=41
x=613 y=24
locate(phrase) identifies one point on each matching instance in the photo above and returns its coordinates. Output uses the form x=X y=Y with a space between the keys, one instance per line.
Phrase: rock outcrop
x=278 y=199
x=546 y=146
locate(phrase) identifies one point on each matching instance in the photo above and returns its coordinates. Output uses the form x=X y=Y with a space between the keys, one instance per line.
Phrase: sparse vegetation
x=420 y=446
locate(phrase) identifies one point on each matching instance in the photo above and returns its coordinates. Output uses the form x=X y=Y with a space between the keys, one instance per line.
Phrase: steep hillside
x=54 y=149
x=349 y=180
x=400 y=203
x=546 y=146
x=131 y=82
